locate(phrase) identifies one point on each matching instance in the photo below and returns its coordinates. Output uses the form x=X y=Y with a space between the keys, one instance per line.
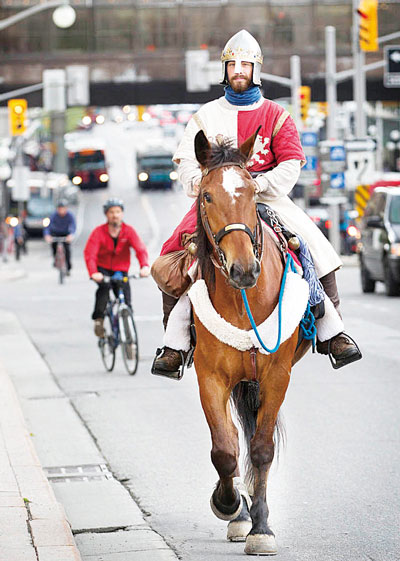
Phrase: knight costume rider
x=275 y=164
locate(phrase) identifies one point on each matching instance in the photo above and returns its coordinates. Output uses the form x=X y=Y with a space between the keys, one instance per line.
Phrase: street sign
x=361 y=145
x=311 y=163
x=20 y=183
x=309 y=139
x=337 y=180
x=337 y=153
x=391 y=78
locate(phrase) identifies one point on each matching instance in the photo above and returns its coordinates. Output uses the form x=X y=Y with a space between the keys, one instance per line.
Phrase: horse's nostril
x=236 y=272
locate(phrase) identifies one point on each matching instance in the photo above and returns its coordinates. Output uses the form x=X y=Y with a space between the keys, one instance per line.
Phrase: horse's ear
x=247 y=147
x=202 y=148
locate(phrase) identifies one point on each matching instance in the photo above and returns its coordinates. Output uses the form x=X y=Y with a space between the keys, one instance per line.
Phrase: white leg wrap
x=177 y=334
x=331 y=324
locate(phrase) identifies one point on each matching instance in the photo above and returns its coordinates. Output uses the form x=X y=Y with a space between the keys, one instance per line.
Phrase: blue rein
x=307 y=323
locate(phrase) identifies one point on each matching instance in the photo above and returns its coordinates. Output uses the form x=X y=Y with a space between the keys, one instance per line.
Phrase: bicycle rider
x=62 y=225
x=108 y=251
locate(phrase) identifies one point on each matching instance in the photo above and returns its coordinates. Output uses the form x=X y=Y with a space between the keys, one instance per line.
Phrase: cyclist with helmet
x=62 y=225
x=108 y=251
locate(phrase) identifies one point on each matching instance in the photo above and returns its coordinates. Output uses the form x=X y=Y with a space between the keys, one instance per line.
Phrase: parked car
x=155 y=169
x=379 y=248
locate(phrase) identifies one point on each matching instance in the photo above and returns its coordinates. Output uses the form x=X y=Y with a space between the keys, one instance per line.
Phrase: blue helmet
x=113 y=202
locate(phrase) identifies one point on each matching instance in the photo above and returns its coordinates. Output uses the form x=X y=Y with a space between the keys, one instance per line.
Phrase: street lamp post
x=64 y=15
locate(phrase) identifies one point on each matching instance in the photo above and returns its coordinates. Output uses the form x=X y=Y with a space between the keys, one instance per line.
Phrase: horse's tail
x=245 y=398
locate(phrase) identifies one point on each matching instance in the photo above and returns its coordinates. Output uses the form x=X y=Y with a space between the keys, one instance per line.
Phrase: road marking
x=79 y=219
x=154 y=225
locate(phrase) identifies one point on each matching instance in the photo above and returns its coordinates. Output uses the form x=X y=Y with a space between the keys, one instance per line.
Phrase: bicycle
x=60 y=260
x=119 y=327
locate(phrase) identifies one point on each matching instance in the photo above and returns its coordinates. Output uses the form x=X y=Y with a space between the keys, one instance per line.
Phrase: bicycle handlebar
x=107 y=279
x=58 y=238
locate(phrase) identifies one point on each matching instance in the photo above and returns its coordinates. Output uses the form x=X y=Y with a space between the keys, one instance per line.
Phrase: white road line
x=154 y=226
x=79 y=218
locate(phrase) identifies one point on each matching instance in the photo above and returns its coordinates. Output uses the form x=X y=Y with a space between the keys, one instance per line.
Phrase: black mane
x=221 y=153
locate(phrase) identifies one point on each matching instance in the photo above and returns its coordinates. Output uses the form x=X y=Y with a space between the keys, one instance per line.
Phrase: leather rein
x=256 y=236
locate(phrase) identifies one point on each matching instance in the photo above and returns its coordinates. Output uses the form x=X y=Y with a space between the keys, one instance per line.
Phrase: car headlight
x=13 y=221
x=395 y=249
x=46 y=222
x=103 y=177
x=143 y=176
x=77 y=180
x=173 y=176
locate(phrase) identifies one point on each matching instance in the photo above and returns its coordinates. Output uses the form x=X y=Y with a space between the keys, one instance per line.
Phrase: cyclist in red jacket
x=107 y=251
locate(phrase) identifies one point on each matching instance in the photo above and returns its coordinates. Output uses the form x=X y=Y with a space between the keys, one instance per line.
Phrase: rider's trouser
x=168 y=305
x=67 y=248
x=102 y=293
x=331 y=290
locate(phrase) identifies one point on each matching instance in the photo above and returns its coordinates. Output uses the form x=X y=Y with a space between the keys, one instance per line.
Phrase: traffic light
x=368 y=25
x=305 y=99
x=17 y=115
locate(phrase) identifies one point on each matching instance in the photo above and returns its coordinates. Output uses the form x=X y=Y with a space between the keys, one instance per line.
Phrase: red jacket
x=100 y=252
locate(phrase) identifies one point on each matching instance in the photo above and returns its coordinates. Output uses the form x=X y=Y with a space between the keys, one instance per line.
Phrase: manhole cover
x=72 y=474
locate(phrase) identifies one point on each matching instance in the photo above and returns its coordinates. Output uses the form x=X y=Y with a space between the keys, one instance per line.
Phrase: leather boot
x=342 y=349
x=168 y=361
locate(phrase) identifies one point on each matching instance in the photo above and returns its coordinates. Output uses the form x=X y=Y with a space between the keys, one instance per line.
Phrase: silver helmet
x=242 y=47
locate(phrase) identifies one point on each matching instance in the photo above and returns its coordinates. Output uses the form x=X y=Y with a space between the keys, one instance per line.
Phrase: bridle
x=256 y=236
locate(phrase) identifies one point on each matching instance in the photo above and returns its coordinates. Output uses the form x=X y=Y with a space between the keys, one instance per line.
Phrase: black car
x=379 y=248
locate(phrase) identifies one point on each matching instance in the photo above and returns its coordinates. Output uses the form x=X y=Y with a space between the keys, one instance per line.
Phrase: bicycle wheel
x=129 y=340
x=107 y=345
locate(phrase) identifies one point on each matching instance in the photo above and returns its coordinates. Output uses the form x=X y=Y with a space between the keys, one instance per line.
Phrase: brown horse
x=233 y=256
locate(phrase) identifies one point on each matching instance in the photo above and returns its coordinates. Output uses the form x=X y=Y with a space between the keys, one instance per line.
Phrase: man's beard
x=240 y=87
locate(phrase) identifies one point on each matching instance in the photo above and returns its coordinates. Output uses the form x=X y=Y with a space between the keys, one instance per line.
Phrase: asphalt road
x=334 y=495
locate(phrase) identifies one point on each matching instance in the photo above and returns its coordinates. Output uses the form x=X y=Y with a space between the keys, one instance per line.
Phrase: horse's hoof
x=238 y=530
x=260 y=544
x=226 y=515
x=240 y=526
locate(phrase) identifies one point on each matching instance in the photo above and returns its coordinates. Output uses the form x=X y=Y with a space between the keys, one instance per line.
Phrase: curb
x=34 y=525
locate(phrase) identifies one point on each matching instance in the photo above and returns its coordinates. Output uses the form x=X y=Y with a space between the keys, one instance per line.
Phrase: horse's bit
x=256 y=237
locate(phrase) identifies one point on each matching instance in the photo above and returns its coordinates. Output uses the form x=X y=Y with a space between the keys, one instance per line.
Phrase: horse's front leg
x=214 y=394
x=261 y=539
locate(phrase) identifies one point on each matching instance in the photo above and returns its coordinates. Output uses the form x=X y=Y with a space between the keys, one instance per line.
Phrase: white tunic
x=218 y=119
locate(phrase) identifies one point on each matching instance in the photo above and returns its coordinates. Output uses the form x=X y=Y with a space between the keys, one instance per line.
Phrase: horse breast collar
x=256 y=236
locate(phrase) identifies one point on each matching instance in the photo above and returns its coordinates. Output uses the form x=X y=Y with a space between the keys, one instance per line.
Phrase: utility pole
x=359 y=86
x=330 y=65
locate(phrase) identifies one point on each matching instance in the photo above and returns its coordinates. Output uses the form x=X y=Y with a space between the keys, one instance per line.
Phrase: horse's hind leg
x=226 y=501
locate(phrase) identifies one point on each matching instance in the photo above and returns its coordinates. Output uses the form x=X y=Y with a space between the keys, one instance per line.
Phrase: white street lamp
x=64 y=16
x=395 y=135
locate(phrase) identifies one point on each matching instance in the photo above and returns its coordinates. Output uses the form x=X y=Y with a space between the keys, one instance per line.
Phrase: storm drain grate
x=73 y=474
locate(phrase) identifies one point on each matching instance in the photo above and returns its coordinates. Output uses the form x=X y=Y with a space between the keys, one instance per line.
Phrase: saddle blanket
x=294 y=304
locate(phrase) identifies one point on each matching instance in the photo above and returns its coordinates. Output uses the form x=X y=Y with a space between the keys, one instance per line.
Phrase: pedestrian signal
x=305 y=100
x=368 y=25
x=17 y=109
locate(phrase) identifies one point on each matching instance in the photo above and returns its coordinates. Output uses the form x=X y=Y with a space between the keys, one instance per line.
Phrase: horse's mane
x=221 y=153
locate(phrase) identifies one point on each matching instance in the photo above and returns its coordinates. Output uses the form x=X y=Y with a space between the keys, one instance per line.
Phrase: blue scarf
x=248 y=97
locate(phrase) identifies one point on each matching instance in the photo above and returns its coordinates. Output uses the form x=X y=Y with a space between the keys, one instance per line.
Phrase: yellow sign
x=368 y=25
x=17 y=109
x=361 y=198
x=141 y=109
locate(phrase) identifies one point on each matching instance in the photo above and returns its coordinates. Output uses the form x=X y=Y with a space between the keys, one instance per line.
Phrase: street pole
x=331 y=96
x=379 y=136
x=359 y=87
x=295 y=83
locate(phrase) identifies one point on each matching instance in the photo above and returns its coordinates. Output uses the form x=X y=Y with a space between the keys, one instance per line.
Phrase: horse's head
x=227 y=208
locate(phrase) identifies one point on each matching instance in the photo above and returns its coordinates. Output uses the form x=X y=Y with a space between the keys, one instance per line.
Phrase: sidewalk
x=33 y=525
x=11 y=270
x=99 y=511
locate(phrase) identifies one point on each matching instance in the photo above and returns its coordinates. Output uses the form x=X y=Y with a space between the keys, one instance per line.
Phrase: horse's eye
x=207 y=197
